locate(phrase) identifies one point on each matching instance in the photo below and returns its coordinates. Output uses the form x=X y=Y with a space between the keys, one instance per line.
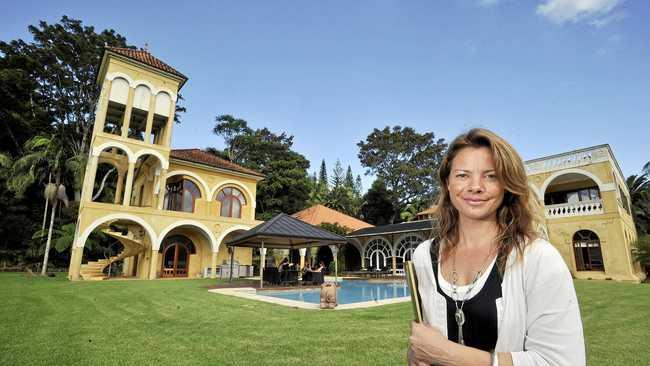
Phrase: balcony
x=568 y=160
x=582 y=208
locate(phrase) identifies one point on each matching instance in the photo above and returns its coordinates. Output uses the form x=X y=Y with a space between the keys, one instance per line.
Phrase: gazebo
x=286 y=232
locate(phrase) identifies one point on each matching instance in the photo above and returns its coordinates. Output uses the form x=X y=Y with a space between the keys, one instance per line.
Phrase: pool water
x=349 y=292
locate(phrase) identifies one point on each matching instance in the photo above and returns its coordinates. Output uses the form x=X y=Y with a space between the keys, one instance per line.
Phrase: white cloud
x=562 y=11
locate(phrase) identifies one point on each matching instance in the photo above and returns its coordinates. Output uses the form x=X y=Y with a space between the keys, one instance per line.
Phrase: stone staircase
x=133 y=243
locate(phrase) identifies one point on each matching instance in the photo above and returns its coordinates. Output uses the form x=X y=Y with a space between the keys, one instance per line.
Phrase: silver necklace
x=459 y=315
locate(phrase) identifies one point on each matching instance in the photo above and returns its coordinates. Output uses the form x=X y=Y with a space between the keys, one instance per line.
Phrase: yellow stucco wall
x=614 y=226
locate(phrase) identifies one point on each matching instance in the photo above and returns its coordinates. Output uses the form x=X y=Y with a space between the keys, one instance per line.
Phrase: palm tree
x=641 y=251
x=45 y=155
x=639 y=187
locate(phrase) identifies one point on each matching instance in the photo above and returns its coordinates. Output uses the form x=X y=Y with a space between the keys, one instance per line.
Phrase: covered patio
x=287 y=232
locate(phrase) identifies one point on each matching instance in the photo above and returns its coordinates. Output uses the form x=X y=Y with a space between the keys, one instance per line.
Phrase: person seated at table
x=320 y=268
x=283 y=265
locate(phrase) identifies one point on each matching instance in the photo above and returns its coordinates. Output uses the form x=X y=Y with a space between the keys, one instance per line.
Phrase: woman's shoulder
x=541 y=257
x=422 y=251
x=542 y=249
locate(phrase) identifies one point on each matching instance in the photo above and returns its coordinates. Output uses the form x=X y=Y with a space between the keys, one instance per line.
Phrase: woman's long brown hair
x=517 y=215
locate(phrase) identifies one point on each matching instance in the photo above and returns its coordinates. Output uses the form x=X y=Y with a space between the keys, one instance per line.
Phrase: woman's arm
x=553 y=325
x=428 y=346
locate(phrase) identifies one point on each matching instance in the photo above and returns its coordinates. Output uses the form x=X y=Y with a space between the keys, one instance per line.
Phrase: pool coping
x=251 y=294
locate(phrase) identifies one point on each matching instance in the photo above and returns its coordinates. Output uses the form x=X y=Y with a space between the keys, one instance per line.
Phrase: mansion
x=174 y=210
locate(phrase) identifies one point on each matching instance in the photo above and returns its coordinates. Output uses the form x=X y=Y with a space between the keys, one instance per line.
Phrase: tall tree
x=337 y=175
x=639 y=188
x=377 y=208
x=349 y=179
x=358 y=186
x=233 y=130
x=406 y=161
x=286 y=187
x=322 y=176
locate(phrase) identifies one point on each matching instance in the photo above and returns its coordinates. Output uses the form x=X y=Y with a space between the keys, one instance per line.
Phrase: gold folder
x=412 y=281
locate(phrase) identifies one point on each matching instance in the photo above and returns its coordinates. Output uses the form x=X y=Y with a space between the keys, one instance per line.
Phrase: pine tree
x=358 y=186
x=322 y=178
x=349 y=179
x=338 y=178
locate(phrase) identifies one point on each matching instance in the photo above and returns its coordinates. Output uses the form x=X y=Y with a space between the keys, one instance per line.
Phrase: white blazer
x=538 y=315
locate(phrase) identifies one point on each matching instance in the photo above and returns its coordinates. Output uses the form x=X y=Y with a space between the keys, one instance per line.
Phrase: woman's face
x=473 y=185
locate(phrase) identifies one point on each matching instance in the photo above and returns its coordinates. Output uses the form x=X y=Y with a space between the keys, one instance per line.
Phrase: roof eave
x=255 y=177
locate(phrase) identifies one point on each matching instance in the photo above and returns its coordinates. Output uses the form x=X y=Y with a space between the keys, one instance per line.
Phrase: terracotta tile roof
x=202 y=157
x=146 y=58
x=319 y=214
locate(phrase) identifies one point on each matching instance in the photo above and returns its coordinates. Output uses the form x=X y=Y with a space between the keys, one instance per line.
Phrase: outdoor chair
x=271 y=275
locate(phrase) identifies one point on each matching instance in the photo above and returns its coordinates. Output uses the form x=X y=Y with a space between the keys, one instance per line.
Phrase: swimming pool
x=351 y=291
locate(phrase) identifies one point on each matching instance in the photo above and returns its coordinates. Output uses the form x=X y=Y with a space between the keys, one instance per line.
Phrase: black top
x=480 y=327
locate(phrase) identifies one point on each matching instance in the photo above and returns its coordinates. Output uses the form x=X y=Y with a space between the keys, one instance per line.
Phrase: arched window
x=377 y=253
x=405 y=248
x=180 y=195
x=586 y=248
x=232 y=201
x=176 y=251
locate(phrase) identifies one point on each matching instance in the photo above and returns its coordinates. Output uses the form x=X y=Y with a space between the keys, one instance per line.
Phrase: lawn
x=55 y=322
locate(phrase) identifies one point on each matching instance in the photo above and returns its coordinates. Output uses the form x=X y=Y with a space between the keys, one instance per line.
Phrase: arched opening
x=231 y=202
x=116 y=109
x=139 y=112
x=572 y=194
x=160 y=118
x=181 y=194
x=191 y=250
x=324 y=254
x=116 y=248
x=587 y=251
x=110 y=176
x=176 y=252
x=240 y=258
x=377 y=254
x=146 y=173
x=352 y=258
x=405 y=248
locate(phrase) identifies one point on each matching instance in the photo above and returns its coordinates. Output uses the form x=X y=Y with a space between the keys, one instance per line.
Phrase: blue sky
x=548 y=75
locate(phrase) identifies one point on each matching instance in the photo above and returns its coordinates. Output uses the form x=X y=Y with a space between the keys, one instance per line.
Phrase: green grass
x=55 y=322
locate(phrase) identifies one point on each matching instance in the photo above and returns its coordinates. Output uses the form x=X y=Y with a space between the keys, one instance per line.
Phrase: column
x=262 y=262
x=120 y=185
x=170 y=122
x=129 y=185
x=302 y=251
x=162 y=186
x=75 y=263
x=394 y=264
x=126 y=267
x=150 y=113
x=89 y=179
x=127 y=114
x=153 y=264
x=213 y=265
x=100 y=116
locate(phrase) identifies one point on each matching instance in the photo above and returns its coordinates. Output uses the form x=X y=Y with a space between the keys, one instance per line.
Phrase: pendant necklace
x=459 y=315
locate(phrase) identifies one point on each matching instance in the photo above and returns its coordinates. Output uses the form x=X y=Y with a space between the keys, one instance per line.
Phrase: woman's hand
x=427 y=346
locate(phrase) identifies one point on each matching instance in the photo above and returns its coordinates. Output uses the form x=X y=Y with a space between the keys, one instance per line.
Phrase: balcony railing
x=567 y=160
x=584 y=208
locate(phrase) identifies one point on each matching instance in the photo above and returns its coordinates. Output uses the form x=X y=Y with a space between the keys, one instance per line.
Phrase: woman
x=492 y=291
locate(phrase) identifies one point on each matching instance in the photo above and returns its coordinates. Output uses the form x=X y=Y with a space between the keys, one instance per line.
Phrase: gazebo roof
x=286 y=232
